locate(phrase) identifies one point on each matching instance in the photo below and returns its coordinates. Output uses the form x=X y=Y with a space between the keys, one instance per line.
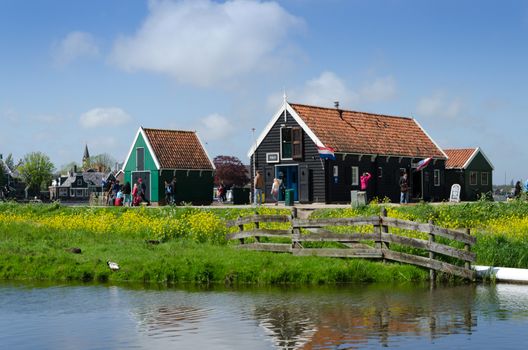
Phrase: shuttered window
x=297 y=143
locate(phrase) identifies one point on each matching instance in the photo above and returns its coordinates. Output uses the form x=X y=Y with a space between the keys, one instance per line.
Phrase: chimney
x=336 y=105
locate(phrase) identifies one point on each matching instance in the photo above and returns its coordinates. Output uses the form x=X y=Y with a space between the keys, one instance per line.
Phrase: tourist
x=518 y=190
x=136 y=199
x=221 y=192
x=259 y=188
x=126 y=192
x=168 y=192
x=119 y=198
x=364 y=181
x=143 y=191
x=275 y=190
x=404 y=189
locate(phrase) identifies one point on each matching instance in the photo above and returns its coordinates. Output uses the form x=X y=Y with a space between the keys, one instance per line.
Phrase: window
x=484 y=178
x=72 y=193
x=473 y=178
x=355 y=176
x=336 y=171
x=297 y=143
x=436 y=177
x=286 y=143
x=140 y=158
x=79 y=182
x=380 y=172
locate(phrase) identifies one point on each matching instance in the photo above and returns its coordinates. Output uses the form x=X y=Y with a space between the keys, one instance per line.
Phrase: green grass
x=35 y=253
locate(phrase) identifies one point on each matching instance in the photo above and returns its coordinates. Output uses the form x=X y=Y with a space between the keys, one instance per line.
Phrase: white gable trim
x=207 y=154
x=149 y=146
x=430 y=138
x=477 y=150
x=272 y=122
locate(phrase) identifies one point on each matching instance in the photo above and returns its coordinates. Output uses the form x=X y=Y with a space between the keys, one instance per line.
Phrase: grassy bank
x=35 y=242
x=42 y=254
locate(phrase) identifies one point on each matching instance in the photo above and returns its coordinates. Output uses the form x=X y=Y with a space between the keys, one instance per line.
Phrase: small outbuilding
x=471 y=169
x=159 y=155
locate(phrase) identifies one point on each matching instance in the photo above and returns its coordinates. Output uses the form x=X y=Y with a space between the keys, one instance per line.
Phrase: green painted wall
x=191 y=187
x=149 y=165
x=478 y=164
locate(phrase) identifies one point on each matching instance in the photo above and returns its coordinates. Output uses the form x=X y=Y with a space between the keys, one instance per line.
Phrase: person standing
x=518 y=190
x=135 y=195
x=275 y=190
x=364 y=181
x=143 y=191
x=126 y=192
x=168 y=192
x=259 y=187
x=404 y=189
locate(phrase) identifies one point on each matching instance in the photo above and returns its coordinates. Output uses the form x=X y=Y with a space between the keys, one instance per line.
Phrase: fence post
x=240 y=229
x=296 y=232
x=432 y=272
x=383 y=229
x=467 y=263
x=257 y=225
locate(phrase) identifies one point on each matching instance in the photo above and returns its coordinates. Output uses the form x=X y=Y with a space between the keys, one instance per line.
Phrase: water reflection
x=359 y=316
x=348 y=317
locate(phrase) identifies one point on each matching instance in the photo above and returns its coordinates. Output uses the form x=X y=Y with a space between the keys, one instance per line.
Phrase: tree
x=230 y=171
x=10 y=162
x=102 y=162
x=36 y=170
x=68 y=167
x=2 y=175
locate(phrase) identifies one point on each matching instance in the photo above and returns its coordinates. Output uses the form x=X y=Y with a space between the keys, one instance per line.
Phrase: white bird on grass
x=112 y=265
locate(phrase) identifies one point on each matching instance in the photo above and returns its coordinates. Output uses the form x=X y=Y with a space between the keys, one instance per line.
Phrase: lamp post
x=251 y=196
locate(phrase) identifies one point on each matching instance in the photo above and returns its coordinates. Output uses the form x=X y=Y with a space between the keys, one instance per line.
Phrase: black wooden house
x=385 y=146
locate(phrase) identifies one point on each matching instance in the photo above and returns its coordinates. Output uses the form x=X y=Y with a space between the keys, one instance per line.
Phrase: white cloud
x=381 y=89
x=75 y=45
x=440 y=105
x=98 y=117
x=202 y=42
x=328 y=87
x=214 y=127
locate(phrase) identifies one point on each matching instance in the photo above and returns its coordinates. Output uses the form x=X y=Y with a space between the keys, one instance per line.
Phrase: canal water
x=34 y=316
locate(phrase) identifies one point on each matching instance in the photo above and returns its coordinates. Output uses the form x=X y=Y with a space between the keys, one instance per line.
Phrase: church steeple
x=86 y=158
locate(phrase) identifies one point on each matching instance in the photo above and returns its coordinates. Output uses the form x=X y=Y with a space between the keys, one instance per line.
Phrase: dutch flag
x=326 y=152
x=423 y=163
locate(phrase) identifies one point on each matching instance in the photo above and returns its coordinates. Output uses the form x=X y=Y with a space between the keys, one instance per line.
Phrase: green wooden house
x=159 y=155
x=471 y=169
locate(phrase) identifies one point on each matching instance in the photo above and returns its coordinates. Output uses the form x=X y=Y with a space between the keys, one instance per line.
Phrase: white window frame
x=436 y=177
x=476 y=178
x=272 y=154
x=355 y=176
x=484 y=175
x=336 y=171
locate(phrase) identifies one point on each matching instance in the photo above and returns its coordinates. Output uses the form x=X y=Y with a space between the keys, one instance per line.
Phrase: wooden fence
x=355 y=245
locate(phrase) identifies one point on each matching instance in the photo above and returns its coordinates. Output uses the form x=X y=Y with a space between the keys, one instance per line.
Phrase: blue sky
x=94 y=71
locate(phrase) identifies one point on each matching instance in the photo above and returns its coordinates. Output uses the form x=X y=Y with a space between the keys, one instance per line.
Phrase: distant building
x=471 y=169
x=78 y=186
x=385 y=146
x=159 y=155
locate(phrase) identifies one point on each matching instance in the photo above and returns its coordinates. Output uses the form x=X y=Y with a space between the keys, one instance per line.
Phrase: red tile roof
x=458 y=157
x=176 y=149
x=366 y=133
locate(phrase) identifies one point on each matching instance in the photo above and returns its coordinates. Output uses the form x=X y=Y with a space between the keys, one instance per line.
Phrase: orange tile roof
x=176 y=149
x=458 y=157
x=366 y=133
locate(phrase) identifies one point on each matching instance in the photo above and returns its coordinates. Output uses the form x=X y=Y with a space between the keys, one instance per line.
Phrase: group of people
x=276 y=188
x=125 y=195
x=364 y=179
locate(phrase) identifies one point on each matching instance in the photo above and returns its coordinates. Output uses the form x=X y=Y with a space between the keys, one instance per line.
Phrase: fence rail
x=316 y=230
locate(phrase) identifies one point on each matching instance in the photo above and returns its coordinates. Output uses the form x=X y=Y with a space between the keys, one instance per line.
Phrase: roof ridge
x=351 y=111
x=171 y=130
